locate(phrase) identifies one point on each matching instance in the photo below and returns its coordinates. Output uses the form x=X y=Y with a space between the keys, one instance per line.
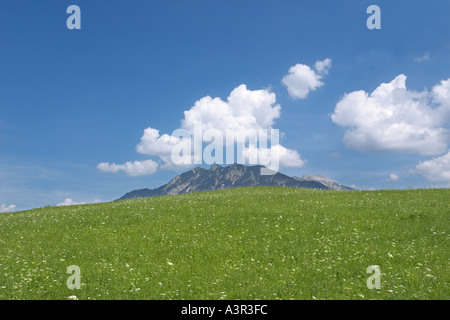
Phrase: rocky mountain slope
x=330 y=183
x=235 y=175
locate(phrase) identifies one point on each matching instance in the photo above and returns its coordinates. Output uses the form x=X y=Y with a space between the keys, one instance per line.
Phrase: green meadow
x=243 y=243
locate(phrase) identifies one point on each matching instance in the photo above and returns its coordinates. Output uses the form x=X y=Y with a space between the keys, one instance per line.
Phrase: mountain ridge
x=236 y=175
x=332 y=184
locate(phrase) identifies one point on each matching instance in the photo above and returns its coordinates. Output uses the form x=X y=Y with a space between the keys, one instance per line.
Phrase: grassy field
x=245 y=243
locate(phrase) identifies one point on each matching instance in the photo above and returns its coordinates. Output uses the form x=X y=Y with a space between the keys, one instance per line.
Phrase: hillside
x=241 y=243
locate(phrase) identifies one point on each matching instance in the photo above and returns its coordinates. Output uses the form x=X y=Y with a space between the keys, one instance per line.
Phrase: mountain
x=217 y=177
x=330 y=183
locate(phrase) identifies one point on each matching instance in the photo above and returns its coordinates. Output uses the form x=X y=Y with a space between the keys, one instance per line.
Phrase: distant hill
x=235 y=175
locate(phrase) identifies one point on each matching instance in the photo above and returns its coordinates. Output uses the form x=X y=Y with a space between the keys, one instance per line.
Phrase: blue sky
x=72 y=99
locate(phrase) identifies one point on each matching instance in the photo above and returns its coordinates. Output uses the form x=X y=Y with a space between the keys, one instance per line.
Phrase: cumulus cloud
x=153 y=144
x=69 y=202
x=436 y=169
x=135 y=168
x=243 y=113
x=323 y=66
x=301 y=79
x=7 y=208
x=441 y=96
x=287 y=157
x=393 y=177
x=395 y=119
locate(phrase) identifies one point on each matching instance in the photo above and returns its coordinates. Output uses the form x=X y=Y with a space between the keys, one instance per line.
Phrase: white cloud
x=7 y=208
x=436 y=169
x=395 y=119
x=393 y=177
x=242 y=113
x=135 y=168
x=301 y=79
x=323 y=66
x=69 y=202
x=441 y=97
x=424 y=57
x=286 y=157
x=289 y=157
x=244 y=110
x=153 y=144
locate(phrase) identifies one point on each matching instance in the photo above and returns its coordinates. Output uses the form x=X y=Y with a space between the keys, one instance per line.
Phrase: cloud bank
x=393 y=177
x=395 y=119
x=242 y=113
x=69 y=202
x=135 y=168
x=436 y=169
x=7 y=208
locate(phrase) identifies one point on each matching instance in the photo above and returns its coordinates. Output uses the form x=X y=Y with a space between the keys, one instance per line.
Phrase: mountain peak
x=330 y=183
x=232 y=176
